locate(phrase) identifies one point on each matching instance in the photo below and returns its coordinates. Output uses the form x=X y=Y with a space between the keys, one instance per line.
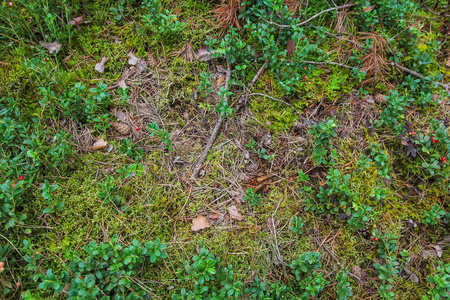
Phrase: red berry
x=21 y=178
x=444 y=159
x=2 y=264
x=309 y=82
x=412 y=133
x=36 y=253
x=10 y=3
x=370 y=25
x=14 y=184
x=18 y=283
x=376 y=239
x=305 y=68
x=434 y=132
x=137 y=127
x=306 y=77
x=2 y=269
x=31 y=130
x=46 y=59
x=280 y=56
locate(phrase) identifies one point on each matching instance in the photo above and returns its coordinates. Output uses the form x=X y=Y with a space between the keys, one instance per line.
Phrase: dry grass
x=227 y=14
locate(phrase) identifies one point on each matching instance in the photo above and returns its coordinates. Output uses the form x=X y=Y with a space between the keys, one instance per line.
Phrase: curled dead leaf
x=369 y=8
x=136 y=61
x=76 y=21
x=100 y=66
x=99 y=144
x=199 y=223
x=51 y=47
x=234 y=213
x=203 y=54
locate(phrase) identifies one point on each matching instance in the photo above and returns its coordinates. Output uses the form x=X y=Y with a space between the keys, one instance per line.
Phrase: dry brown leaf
x=290 y=47
x=199 y=223
x=448 y=62
x=136 y=61
x=76 y=21
x=99 y=144
x=369 y=8
x=427 y=253
x=369 y=99
x=220 y=80
x=100 y=66
x=234 y=213
x=51 y=47
x=120 y=115
x=121 y=83
x=203 y=54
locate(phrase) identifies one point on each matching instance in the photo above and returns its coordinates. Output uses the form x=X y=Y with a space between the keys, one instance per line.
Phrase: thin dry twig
x=275 y=99
x=275 y=231
x=444 y=86
x=313 y=17
x=243 y=99
x=325 y=63
x=335 y=258
x=214 y=134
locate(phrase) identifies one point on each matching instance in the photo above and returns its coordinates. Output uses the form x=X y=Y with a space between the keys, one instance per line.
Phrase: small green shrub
x=306 y=262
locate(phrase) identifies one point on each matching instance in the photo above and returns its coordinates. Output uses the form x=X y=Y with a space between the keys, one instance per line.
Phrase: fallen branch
x=444 y=86
x=275 y=232
x=313 y=17
x=243 y=99
x=214 y=134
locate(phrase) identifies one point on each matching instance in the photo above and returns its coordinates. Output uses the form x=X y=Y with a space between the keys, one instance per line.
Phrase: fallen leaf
x=199 y=223
x=369 y=99
x=232 y=210
x=448 y=62
x=427 y=253
x=120 y=115
x=445 y=240
x=290 y=47
x=203 y=54
x=99 y=144
x=136 y=61
x=121 y=83
x=214 y=216
x=369 y=8
x=439 y=251
x=51 y=47
x=100 y=66
x=220 y=80
x=76 y=21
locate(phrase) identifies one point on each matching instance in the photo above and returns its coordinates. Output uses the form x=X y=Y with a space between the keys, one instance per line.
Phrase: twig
x=337 y=260
x=275 y=99
x=275 y=231
x=313 y=17
x=325 y=63
x=214 y=134
x=12 y=245
x=243 y=98
x=444 y=86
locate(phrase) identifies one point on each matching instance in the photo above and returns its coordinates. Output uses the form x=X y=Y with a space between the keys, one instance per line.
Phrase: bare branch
x=313 y=17
x=214 y=134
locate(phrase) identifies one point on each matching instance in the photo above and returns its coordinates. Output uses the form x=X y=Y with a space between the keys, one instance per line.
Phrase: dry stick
x=325 y=63
x=275 y=231
x=444 y=86
x=243 y=99
x=214 y=134
x=337 y=261
x=313 y=17
x=275 y=99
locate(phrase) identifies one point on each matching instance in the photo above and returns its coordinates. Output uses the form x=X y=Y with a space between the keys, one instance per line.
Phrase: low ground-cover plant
x=101 y=270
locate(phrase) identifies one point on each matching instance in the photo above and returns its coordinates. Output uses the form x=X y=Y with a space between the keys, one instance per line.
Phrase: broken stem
x=214 y=134
x=275 y=231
